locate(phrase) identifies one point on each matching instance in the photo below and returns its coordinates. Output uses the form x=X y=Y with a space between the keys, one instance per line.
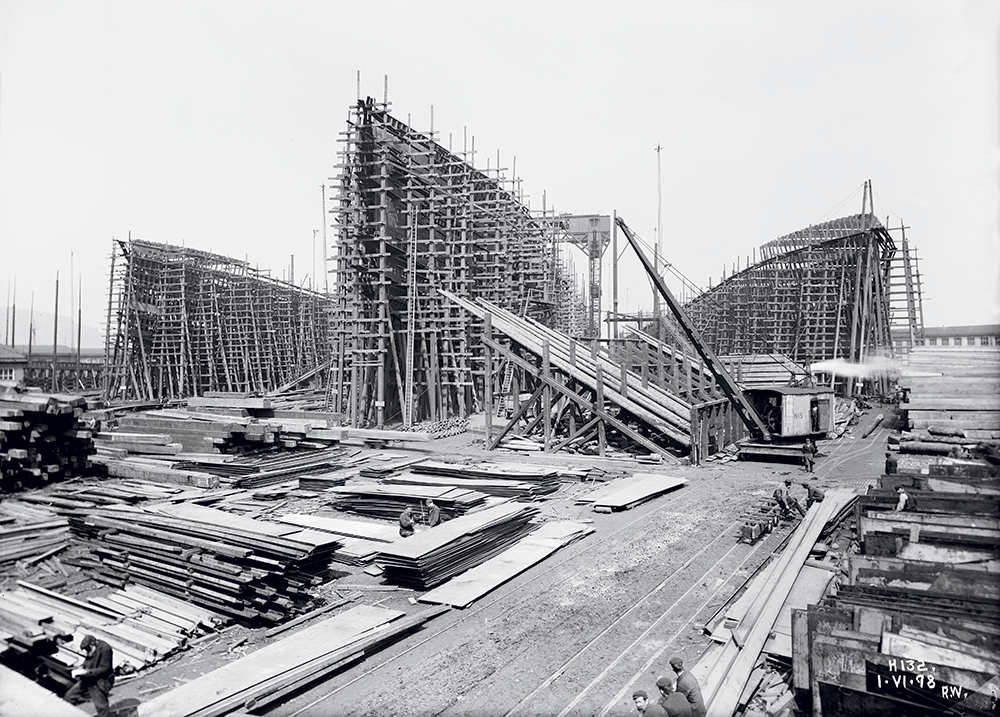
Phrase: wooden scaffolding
x=414 y=218
x=819 y=293
x=182 y=322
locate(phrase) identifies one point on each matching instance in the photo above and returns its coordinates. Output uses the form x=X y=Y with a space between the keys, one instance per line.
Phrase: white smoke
x=874 y=365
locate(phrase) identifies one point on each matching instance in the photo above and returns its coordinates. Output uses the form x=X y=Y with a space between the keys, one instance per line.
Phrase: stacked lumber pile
x=358 y=543
x=953 y=392
x=433 y=556
x=388 y=501
x=42 y=437
x=283 y=667
x=249 y=570
x=142 y=626
x=914 y=628
x=29 y=535
x=626 y=493
x=725 y=671
x=544 y=478
x=463 y=590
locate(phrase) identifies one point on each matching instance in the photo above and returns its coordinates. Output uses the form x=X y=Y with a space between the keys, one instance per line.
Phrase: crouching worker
x=95 y=678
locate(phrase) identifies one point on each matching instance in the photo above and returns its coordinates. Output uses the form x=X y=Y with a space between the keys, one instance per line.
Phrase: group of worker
x=408 y=524
x=680 y=695
x=789 y=505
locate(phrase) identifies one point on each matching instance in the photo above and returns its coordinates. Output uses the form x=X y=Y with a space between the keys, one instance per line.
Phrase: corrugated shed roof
x=9 y=355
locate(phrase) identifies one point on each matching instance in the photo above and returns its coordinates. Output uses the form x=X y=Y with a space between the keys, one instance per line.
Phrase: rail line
x=685 y=499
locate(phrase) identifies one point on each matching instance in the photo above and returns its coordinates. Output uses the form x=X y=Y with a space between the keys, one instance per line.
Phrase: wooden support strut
x=722 y=377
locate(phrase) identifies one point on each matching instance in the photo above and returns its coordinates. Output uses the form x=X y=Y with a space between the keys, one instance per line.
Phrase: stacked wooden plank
x=358 y=543
x=274 y=671
x=625 y=493
x=724 y=672
x=240 y=567
x=543 y=479
x=29 y=534
x=433 y=556
x=914 y=628
x=388 y=501
x=142 y=625
x=954 y=390
x=464 y=589
x=760 y=370
x=42 y=437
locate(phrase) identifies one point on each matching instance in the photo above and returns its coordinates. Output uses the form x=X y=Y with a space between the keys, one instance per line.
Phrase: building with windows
x=12 y=364
x=955 y=336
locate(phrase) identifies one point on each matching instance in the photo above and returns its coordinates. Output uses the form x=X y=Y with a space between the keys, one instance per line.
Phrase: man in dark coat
x=433 y=513
x=672 y=702
x=687 y=685
x=890 y=464
x=406 y=528
x=645 y=706
x=95 y=678
x=808 y=454
x=813 y=495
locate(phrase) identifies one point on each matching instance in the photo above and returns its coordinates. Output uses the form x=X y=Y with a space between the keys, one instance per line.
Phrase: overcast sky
x=215 y=124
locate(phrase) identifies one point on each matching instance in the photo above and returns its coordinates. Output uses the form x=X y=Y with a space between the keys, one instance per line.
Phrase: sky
x=214 y=124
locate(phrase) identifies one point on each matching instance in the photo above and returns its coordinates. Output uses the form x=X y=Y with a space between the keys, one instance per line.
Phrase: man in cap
x=813 y=495
x=785 y=501
x=687 y=685
x=433 y=513
x=406 y=528
x=903 y=498
x=672 y=702
x=645 y=707
x=95 y=678
x=808 y=454
x=891 y=467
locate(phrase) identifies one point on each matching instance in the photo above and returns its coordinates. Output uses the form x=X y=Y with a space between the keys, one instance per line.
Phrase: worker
x=785 y=501
x=433 y=513
x=406 y=528
x=903 y=498
x=813 y=495
x=687 y=685
x=95 y=678
x=672 y=702
x=645 y=707
x=890 y=463
x=808 y=454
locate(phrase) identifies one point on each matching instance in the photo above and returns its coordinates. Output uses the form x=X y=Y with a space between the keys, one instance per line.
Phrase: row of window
x=962 y=341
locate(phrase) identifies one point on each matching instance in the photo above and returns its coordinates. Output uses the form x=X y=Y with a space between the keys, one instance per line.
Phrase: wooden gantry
x=817 y=294
x=414 y=218
x=182 y=322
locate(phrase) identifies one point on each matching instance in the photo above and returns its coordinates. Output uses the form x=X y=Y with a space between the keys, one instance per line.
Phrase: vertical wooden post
x=546 y=397
x=599 y=401
x=488 y=379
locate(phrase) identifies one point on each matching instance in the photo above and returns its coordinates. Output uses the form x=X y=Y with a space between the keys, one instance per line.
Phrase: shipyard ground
x=576 y=633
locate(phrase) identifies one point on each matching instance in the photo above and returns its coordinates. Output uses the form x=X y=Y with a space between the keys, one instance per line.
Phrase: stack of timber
x=433 y=556
x=358 y=542
x=388 y=501
x=508 y=480
x=915 y=630
x=593 y=368
x=42 y=437
x=724 y=671
x=462 y=590
x=23 y=697
x=287 y=665
x=626 y=493
x=143 y=626
x=953 y=391
x=249 y=570
x=29 y=534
